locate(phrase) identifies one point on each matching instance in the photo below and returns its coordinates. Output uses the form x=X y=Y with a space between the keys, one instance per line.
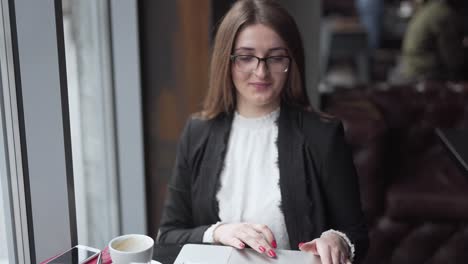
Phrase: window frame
x=35 y=120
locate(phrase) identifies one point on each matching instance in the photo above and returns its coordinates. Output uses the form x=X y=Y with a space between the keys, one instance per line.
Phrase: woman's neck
x=252 y=111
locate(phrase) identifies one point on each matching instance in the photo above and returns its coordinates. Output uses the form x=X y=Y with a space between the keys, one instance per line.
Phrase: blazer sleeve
x=177 y=225
x=342 y=192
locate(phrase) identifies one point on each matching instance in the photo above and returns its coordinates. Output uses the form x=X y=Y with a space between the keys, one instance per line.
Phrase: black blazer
x=318 y=182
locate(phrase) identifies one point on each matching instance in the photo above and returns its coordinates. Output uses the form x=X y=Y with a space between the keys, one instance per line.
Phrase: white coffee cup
x=132 y=248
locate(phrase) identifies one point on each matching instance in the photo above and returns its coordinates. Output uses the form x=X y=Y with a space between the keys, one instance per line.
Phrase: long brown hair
x=221 y=96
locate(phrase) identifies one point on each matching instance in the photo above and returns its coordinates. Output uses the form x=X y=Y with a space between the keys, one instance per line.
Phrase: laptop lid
x=213 y=254
x=456 y=142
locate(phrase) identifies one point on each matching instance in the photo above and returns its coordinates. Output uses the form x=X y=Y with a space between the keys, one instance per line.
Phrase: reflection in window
x=87 y=48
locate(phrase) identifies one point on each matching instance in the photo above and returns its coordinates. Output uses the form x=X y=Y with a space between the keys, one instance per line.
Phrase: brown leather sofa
x=414 y=196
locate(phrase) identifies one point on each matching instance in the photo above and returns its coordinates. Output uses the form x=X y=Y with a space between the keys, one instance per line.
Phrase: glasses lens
x=246 y=63
x=278 y=64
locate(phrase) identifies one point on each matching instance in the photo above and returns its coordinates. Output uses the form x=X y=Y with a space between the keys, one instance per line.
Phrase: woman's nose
x=262 y=70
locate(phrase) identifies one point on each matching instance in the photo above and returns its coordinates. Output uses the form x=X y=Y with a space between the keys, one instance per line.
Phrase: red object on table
x=106 y=259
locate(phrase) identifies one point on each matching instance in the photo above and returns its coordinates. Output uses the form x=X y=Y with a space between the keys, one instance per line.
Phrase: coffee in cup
x=131 y=248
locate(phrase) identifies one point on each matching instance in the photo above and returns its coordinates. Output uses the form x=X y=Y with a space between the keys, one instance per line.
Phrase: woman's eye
x=276 y=59
x=245 y=58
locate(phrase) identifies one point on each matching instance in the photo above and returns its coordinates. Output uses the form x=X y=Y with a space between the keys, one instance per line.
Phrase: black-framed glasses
x=249 y=63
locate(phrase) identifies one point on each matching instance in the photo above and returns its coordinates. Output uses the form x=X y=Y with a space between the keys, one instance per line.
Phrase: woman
x=257 y=167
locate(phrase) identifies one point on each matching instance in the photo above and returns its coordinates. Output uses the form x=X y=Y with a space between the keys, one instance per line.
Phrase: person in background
x=370 y=14
x=258 y=167
x=433 y=43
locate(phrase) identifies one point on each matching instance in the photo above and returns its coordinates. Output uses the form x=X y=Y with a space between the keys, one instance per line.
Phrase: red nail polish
x=271 y=253
x=262 y=249
x=274 y=244
x=300 y=244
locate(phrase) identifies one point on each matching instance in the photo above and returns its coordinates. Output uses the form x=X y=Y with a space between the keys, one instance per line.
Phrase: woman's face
x=259 y=88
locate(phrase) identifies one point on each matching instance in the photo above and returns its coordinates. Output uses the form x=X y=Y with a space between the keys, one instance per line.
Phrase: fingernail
x=271 y=253
x=242 y=245
x=300 y=244
x=274 y=244
x=262 y=249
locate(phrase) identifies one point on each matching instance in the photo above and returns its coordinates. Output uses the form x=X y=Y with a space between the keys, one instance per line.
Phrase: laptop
x=456 y=142
x=214 y=254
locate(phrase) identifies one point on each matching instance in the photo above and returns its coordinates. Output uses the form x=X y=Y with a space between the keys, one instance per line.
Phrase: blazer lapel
x=216 y=153
x=296 y=203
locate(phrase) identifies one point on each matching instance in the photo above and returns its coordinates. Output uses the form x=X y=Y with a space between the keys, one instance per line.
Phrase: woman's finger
x=345 y=259
x=257 y=241
x=342 y=258
x=252 y=240
x=266 y=232
x=335 y=256
x=324 y=252
x=235 y=242
x=259 y=237
x=310 y=247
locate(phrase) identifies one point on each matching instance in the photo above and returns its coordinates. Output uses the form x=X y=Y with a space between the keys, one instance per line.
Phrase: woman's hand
x=257 y=236
x=331 y=248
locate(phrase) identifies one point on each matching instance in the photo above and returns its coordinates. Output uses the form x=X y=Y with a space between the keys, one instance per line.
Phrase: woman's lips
x=260 y=85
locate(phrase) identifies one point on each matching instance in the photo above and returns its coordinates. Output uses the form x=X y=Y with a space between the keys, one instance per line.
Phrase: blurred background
x=392 y=70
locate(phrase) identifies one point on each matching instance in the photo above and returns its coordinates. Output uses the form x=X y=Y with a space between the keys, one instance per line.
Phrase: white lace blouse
x=249 y=189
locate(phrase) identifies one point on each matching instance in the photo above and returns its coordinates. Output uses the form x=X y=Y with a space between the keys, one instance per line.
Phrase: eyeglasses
x=249 y=63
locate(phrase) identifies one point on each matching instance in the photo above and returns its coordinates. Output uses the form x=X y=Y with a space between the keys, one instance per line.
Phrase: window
x=36 y=108
x=3 y=233
x=103 y=92
x=87 y=50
